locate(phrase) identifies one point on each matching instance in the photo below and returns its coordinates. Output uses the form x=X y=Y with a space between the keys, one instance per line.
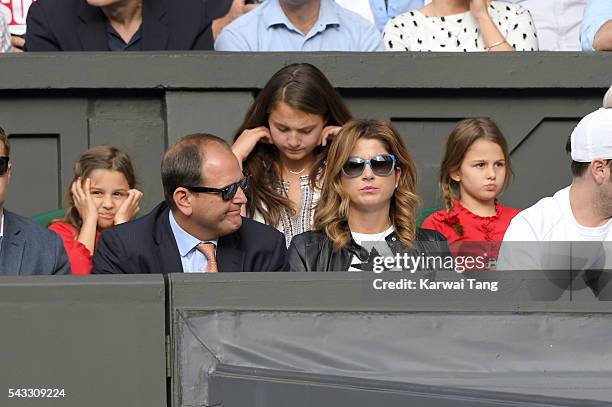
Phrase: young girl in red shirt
x=475 y=170
x=101 y=195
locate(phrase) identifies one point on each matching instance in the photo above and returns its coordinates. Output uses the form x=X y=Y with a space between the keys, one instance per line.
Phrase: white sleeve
x=519 y=249
x=395 y=37
x=5 y=36
x=522 y=35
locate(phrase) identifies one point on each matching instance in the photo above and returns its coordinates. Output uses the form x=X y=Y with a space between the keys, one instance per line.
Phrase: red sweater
x=475 y=228
x=78 y=255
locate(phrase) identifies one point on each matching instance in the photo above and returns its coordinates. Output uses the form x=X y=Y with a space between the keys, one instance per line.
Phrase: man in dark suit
x=199 y=227
x=125 y=25
x=26 y=248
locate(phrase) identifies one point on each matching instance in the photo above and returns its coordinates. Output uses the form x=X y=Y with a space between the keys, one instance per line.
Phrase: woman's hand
x=479 y=8
x=83 y=201
x=328 y=134
x=247 y=141
x=129 y=207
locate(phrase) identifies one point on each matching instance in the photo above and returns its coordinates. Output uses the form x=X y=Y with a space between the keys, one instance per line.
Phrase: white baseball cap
x=592 y=137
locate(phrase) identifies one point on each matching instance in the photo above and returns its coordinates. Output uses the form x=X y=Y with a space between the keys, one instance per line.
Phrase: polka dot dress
x=413 y=31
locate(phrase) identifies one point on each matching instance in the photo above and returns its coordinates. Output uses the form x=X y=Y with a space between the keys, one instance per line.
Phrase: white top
x=549 y=222
x=370 y=242
x=557 y=22
x=413 y=31
x=5 y=36
x=551 y=219
x=302 y=221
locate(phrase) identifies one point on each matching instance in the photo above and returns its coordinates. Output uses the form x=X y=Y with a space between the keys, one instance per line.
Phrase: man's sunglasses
x=4 y=163
x=228 y=192
x=381 y=165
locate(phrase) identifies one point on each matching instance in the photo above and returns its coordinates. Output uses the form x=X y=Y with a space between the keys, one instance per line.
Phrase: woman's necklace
x=296 y=172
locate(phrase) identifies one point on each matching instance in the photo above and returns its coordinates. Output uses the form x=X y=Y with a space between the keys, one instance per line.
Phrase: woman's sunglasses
x=227 y=192
x=4 y=163
x=381 y=165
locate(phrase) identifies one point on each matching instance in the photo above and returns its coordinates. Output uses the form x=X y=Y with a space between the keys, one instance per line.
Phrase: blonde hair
x=466 y=133
x=331 y=214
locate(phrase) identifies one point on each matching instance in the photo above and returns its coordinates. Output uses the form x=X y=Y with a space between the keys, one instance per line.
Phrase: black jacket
x=147 y=245
x=74 y=25
x=313 y=251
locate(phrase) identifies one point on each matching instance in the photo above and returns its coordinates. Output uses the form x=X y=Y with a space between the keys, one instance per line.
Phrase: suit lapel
x=92 y=28
x=13 y=244
x=154 y=32
x=229 y=255
x=169 y=259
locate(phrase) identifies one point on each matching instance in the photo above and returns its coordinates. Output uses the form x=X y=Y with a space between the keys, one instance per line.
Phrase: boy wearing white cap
x=583 y=210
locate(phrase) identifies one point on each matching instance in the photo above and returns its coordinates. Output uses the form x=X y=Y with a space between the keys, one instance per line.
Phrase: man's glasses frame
x=4 y=164
x=355 y=166
x=227 y=193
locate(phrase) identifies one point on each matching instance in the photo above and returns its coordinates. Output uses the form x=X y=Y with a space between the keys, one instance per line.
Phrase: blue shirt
x=382 y=13
x=192 y=259
x=267 y=28
x=596 y=13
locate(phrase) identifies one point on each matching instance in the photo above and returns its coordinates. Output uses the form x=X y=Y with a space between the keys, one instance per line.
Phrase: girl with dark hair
x=476 y=165
x=282 y=145
x=368 y=198
x=101 y=195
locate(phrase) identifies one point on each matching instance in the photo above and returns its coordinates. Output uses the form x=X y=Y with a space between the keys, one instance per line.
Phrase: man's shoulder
x=550 y=207
x=59 y=7
x=29 y=230
x=253 y=229
x=541 y=218
x=144 y=226
x=248 y=21
x=183 y=8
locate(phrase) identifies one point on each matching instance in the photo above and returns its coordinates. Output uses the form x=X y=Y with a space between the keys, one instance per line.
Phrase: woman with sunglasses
x=367 y=207
x=282 y=145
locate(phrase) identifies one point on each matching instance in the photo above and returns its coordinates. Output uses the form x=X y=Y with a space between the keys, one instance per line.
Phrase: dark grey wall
x=104 y=339
x=56 y=105
x=99 y=338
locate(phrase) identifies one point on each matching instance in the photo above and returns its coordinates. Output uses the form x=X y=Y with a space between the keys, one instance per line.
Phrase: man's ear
x=182 y=200
x=598 y=170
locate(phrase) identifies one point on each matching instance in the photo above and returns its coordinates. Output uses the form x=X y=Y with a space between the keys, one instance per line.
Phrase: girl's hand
x=479 y=8
x=247 y=141
x=84 y=202
x=328 y=134
x=129 y=207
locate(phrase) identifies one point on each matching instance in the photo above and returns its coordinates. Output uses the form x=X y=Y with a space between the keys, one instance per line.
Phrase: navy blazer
x=74 y=25
x=29 y=249
x=147 y=245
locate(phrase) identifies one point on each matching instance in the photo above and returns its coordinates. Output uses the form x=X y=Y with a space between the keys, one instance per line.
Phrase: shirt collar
x=185 y=242
x=328 y=14
x=2 y=225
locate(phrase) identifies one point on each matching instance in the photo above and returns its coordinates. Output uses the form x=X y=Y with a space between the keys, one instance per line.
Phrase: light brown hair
x=331 y=214
x=464 y=134
x=101 y=157
x=303 y=87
